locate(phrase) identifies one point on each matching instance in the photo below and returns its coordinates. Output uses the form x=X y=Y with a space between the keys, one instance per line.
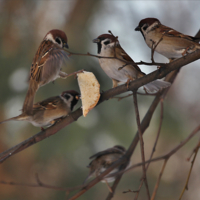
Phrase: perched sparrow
x=103 y=160
x=47 y=112
x=168 y=42
x=108 y=46
x=46 y=65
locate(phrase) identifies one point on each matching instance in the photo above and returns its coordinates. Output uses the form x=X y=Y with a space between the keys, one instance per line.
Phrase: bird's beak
x=78 y=97
x=96 y=40
x=65 y=45
x=137 y=28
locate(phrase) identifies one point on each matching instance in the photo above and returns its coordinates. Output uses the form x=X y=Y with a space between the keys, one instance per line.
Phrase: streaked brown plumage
x=103 y=160
x=108 y=46
x=171 y=43
x=47 y=112
x=46 y=65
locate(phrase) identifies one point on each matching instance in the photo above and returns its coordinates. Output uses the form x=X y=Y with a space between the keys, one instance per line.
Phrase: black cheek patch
x=58 y=41
x=73 y=103
x=99 y=47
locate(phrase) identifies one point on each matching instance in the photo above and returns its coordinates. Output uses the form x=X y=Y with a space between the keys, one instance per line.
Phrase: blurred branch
x=195 y=151
x=145 y=123
x=126 y=62
x=165 y=156
x=144 y=178
x=158 y=181
x=125 y=159
x=154 y=147
x=105 y=96
x=158 y=133
x=41 y=185
x=134 y=85
x=114 y=165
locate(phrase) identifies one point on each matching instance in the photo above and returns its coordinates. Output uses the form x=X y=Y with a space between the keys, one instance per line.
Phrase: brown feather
x=125 y=56
x=29 y=99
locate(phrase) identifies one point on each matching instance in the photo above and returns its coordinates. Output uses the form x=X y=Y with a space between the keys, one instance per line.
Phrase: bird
x=46 y=65
x=103 y=160
x=49 y=111
x=121 y=71
x=165 y=40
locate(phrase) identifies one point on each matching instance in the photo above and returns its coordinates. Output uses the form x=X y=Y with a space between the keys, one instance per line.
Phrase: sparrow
x=51 y=110
x=166 y=41
x=103 y=160
x=46 y=65
x=118 y=70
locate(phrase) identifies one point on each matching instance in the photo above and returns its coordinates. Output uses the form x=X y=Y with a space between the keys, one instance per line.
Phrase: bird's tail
x=156 y=85
x=17 y=118
x=29 y=99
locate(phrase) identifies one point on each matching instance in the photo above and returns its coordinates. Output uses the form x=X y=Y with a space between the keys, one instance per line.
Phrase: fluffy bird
x=46 y=65
x=109 y=46
x=47 y=112
x=103 y=160
x=168 y=42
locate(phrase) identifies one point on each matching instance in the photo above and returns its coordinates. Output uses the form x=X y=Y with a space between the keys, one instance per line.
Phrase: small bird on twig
x=51 y=110
x=46 y=65
x=103 y=160
x=123 y=70
x=167 y=41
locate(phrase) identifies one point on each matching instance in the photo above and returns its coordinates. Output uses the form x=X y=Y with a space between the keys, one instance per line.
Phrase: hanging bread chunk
x=90 y=91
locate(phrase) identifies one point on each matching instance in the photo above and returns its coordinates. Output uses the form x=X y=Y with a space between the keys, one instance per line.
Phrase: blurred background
x=61 y=160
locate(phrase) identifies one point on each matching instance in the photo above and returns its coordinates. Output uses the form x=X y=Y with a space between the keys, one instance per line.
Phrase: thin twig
x=144 y=125
x=154 y=48
x=129 y=191
x=141 y=142
x=154 y=147
x=188 y=177
x=193 y=151
x=158 y=181
x=138 y=191
x=126 y=62
x=144 y=94
x=106 y=95
x=165 y=156
x=158 y=133
x=40 y=184
x=177 y=64
x=74 y=73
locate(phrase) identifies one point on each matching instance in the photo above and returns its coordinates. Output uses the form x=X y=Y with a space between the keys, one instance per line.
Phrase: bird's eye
x=107 y=42
x=145 y=27
x=58 y=40
x=67 y=96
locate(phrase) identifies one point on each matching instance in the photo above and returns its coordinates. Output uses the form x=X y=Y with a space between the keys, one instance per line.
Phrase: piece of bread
x=90 y=91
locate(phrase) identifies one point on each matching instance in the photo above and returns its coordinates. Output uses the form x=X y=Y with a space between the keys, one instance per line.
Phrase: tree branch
x=144 y=178
x=134 y=85
x=144 y=125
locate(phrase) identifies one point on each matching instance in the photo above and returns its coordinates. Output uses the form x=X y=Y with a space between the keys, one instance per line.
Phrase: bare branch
x=158 y=181
x=192 y=164
x=106 y=95
x=144 y=125
x=144 y=178
x=158 y=133
x=41 y=185
x=134 y=85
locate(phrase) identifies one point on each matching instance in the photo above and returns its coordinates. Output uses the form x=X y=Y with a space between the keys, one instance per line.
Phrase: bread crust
x=90 y=91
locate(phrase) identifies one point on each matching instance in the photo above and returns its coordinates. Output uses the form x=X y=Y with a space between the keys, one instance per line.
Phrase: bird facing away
x=109 y=46
x=103 y=160
x=46 y=65
x=51 y=110
x=168 y=42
